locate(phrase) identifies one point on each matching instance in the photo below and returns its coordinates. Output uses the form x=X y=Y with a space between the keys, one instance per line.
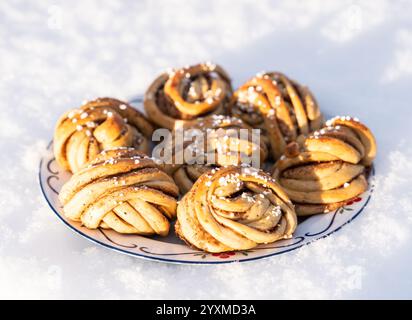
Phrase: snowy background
x=355 y=56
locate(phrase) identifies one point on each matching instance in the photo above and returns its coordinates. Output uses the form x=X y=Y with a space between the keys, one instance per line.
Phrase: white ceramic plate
x=172 y=249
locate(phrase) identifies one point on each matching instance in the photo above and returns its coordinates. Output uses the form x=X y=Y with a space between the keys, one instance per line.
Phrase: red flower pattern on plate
x=353 y=201
x=224 y=255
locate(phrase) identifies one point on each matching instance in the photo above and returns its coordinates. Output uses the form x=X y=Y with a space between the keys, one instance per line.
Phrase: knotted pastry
x=328 y=168
x=220 y=141
x=182 y=95
x=234 y=208
x=279 y=106
x=124 y=190
x=105 y=123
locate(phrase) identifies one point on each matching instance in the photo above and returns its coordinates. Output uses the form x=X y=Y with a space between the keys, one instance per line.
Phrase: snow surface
x=356 y=57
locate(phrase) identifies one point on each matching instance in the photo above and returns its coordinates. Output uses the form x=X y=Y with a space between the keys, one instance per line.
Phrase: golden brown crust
x=104 y=123
x=363 y=134
x=124 y=190
x=281 y=107
x=234 y=208
x=181 y=96
x=330 y=169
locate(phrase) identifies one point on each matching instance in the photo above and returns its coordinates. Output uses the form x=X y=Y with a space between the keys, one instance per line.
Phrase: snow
x=402 y=64
x=355 y=55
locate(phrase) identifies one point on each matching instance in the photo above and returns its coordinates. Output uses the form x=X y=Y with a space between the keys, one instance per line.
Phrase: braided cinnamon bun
x=181 y=96
x=234 y=208
x=281 y=107
x=224 y=141
x=124 y=190
x=329 y=168
x=104 y=123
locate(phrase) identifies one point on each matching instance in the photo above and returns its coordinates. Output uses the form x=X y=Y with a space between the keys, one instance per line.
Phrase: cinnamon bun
x=330 y=167
x=220 y=141
x=104 y=123
x=234 y=208
x=182 y=95
x=124 y=190
x=282 y=108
